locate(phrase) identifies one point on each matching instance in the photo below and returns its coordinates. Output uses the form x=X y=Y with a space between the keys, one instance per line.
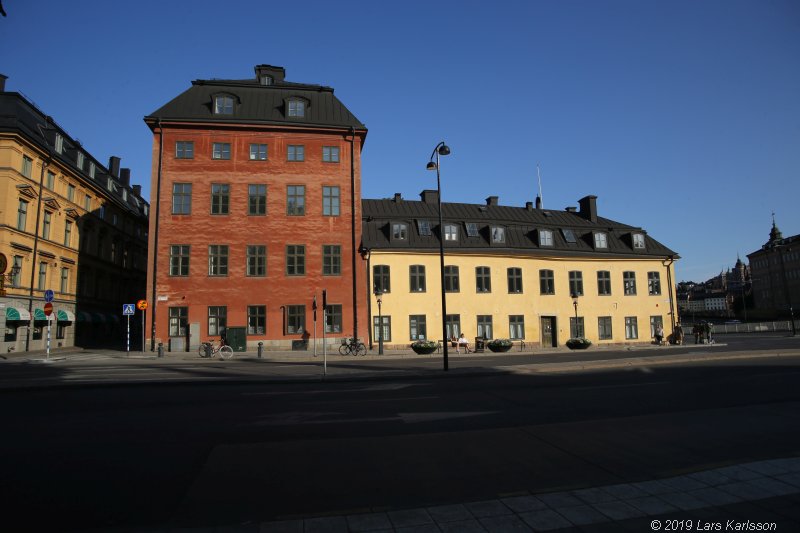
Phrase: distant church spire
x=775 y=234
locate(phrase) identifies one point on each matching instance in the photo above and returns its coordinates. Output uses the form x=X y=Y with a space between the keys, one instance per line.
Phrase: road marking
x=630 y=385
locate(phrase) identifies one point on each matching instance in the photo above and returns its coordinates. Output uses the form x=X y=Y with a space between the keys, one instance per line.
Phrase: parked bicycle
x=207 y=349
x=351 y=346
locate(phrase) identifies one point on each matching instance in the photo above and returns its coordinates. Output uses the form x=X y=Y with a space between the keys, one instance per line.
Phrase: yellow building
x=68 y=225
x=519 y=273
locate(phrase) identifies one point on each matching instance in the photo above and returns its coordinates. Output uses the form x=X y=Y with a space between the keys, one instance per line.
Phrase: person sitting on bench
x=463 y=343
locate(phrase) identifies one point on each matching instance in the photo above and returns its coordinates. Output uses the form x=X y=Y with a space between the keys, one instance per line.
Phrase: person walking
x=659 y=334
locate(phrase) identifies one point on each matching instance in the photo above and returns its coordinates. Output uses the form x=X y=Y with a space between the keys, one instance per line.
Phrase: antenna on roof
x=540 y=198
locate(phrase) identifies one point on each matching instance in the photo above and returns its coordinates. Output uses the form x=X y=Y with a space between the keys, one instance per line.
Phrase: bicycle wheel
x=344 y=349
x=360 y=349
x=201 y=351
x=225 y=352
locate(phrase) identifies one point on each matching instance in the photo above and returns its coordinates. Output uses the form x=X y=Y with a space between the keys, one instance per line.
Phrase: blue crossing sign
x=128 y=309
x=48 y=295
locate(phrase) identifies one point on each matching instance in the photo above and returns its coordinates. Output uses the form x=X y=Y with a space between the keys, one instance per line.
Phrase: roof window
x=569 y=236
x=296 y=108
x=472 y=229
x=424 y=227
x=223 y=104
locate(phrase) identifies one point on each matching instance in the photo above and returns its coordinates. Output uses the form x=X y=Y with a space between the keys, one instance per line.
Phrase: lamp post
x=575 y=305
x=8 y=278
x=441 y=149
x=378 y=293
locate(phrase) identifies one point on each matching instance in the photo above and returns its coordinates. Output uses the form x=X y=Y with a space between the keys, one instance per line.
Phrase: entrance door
x=549 y=336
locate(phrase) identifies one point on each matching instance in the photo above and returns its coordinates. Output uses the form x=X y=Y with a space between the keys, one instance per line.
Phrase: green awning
x=99 y=317
x=84 y=316
x=17 y=314
x=38 y=314
x=65 y=316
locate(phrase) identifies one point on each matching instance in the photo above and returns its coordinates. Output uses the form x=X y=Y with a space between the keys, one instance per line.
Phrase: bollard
x=207 y=349
x=260 y=349
x=161 y=349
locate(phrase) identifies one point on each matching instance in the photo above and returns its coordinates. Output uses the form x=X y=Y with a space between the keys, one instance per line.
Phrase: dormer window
x=450 y=232
x=399 y=231
x=267 y=80
x=472 y=229
x=600 y=241
x=545 y=237
x=223 y=105
x=59 y=143
x=92 y=169
x=296 y=108
x=79 y=161
x=498 y=235
x=638 y=241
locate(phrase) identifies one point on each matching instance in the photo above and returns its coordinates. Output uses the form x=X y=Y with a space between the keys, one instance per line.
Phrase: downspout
x=668 y=263
x=45 y=164
x=155 y=236
x=353 y=227
x=369 y=295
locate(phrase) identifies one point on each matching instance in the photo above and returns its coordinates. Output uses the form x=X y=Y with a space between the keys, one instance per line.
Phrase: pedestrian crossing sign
x=128 y=309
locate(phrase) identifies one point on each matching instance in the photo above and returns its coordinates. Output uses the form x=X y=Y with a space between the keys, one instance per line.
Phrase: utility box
x=237 y=338
x=480 y=344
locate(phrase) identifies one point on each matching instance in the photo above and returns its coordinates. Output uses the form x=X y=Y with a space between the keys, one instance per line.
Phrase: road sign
x=128 y=309
x=141 y=305
x=48 y=309
x=48 y=295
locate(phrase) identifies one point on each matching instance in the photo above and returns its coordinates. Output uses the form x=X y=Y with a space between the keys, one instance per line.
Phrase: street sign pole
x=144 y=314
x=129 y=337
x=48 y=336
x=48 y=311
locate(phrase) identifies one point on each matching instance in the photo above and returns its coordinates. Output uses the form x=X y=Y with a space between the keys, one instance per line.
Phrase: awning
x=98 y=317
x=65 y=316
x=17 y=314
x=38 y=314
x=84 y=316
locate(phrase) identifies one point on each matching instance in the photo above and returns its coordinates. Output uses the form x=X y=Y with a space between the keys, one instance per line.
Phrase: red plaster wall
x=238 y=229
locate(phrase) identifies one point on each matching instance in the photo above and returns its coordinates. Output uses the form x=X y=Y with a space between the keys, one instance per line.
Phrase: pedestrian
x=709 y=333
x=678 y=334
x=659 y=334
x=697 y=332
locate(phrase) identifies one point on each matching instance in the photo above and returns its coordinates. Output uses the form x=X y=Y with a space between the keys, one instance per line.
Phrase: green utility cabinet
x=237 y=338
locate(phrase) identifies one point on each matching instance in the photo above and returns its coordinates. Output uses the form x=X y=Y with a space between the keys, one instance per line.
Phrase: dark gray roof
x=259 y=104
x=521 y=226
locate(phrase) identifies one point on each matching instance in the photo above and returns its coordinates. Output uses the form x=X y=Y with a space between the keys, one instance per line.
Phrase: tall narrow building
x=256 y=191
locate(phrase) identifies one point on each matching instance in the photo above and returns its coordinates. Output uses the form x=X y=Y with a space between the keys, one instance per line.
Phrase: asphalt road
x=206 y=453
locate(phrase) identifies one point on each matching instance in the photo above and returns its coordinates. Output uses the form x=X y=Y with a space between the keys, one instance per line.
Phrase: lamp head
x=444 y=149
x=431 y=165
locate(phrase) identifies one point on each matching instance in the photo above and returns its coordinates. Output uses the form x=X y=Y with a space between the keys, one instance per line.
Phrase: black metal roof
x=259 y=104
x=521 y=225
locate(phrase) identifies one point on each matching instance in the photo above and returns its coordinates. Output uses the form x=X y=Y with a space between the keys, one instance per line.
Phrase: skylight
x=569 y=236
x=472 y=229
x=424 y=227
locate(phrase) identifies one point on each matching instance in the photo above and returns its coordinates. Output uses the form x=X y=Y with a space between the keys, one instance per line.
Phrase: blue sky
x=683 y=117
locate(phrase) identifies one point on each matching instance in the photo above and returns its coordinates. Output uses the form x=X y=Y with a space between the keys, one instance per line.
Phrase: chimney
x=529 y=206
x=571 y=209
x=538 y=202
x=137 y=190
x=125 y=176
x=113 y=166
x=429 y=197
x=589 y=207
x=276 y=74
x=397 y=198
x=492 y=200
x=3 y=83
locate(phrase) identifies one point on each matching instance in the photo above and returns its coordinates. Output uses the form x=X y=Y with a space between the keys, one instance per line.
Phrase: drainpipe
x=353 y=228
x=155 y=236
x=668 y=263
x=369 y=296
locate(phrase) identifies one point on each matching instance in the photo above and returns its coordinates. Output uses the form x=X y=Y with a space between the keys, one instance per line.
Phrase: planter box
x=496 y=348
x=423 y=350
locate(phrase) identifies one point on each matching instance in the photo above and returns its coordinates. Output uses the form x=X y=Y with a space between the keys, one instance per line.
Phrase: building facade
x=69 y=225
x=256 y=189
x=776 y=274
x=520 y=273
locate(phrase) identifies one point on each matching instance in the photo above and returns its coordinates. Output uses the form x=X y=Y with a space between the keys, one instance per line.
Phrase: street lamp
x=8 y=278
x=441 y=149
x=378 y=293
x=575 y=305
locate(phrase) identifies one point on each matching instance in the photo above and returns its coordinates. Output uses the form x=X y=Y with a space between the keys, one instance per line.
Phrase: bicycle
x=224 y=351
x=351 y=346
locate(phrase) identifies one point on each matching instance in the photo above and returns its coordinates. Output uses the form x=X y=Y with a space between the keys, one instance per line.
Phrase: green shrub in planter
x=580 y=343
x=424 y=347
x=499 y=345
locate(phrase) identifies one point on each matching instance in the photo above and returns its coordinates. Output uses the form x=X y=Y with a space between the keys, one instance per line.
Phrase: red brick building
x=256 y=210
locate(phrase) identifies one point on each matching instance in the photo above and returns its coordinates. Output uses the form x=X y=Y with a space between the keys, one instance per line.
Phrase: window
x=50 y=182
x=42 y=276
x=218 y=260
x=483 y=279
x=424 y=228
x=638 y=241
x=576 y=327
x=114 y=246
x=655 y=322
x=545 y=237
x=516 y=327
x=92 y=169
x=453 y=325
x=485 y=326
x=417 y=273
x=221 y=151
x=472 y=229
x=387 y=328
x=399 y=231
x=380 y=279
x=451 y=283
x=47 y=220
x=450 y=232
x=569 y=236
x=631 y=328
x=295 y=260
x=257 y=199
x=179 y=260
x=417 y=327
x=17 y=266
x=220 y=199
x=297 y=108
x=629 y=281
x=101 y=212
x=604 y=283
x=604 y=328
x=27 y=166
x=64 y=280
x=22 y=215
x=600 y=241
x=257 y=260
x=184 y=150
x=258 y=152
x=296 y=319
x=331 y=260
x=296 y=152
x=330 y=201
x=256 y=319
x=59 y=144
x=87 y=200
x=71 y=192
x=68 y=233
x=514 y=280
x=79 y=160
x=498 y=235
x=181 y=198
x=223 y=105
x=296 y=200
x=653 y=283
x=333 y=318
x=330 y=154
x=547 y=284
x=178 y=317
x=217 y=319
x=266 y=80
x=575 y=283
